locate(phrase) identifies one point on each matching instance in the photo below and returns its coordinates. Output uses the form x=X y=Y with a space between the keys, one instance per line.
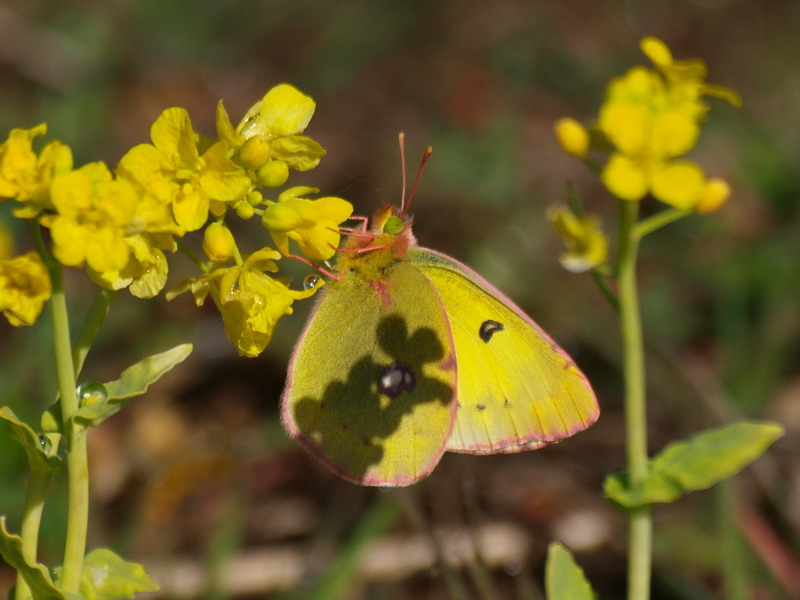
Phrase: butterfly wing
x=371 y=384
x=517 y=389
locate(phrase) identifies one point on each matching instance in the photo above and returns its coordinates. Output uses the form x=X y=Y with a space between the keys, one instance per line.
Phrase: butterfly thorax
x=369 y=255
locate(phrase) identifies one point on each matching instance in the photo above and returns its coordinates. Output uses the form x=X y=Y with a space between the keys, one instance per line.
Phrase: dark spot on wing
x=480 y=407
x=506 y=403
x=398 y=377
x=488 y=328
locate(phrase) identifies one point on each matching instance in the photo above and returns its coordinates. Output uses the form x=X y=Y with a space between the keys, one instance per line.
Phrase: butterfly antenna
x=425 y=158
x=401 y=139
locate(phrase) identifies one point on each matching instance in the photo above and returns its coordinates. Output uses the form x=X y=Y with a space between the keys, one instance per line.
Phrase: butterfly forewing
x=517 y=389
x=372 y=382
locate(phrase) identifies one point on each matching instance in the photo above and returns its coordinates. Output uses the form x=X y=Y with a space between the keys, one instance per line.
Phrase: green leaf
x=41 y=450
x=134 y=381
x=36 y=575
x=694 y=464
x=563 y=578
x=106 y=576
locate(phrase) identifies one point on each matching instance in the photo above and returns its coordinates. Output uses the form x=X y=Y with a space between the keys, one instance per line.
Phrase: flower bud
x=218 y=242
x=273 y=174
x=254 y=152
x=572 y=137
x=244 y=210
x=254 y=198
x=714 y=196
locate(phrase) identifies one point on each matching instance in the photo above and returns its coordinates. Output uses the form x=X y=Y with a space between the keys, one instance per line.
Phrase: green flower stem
x=91 y=326
x=602 y=285
x=640 y=534
x=31 y=520
x=659 y=220
x=77 y=454
x=189 y=253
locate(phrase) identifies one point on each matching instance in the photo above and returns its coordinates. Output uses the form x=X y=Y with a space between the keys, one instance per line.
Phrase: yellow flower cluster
x=118 y=224
x=650 y=118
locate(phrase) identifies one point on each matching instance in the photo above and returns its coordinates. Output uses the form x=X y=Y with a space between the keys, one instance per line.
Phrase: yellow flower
x=250 y=300
x=586 y=244
x=24 y=288
x=313 y=224
x=145 y=274
x=269 y=133
x=179 y=182
x=572 y=137
x=93 y=213
x=26 y=176
x=686 y=77
x=651 y=118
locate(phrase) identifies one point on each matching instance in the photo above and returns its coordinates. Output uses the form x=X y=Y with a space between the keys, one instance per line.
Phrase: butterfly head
x=391 y=221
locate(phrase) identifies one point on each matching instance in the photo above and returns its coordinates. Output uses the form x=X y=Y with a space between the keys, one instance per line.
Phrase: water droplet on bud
x=91 y=392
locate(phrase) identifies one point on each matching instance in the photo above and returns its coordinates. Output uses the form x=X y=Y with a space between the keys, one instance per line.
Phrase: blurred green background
x=199 y=474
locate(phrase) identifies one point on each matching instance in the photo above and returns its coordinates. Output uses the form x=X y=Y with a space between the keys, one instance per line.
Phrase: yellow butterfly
x=410 y=353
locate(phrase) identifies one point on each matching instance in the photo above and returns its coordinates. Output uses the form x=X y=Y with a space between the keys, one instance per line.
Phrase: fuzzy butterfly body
x=410 y=353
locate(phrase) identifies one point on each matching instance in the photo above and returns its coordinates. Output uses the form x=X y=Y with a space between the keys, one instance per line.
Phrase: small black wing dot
x=488 y=328
x=398 y=377
x=480 y=407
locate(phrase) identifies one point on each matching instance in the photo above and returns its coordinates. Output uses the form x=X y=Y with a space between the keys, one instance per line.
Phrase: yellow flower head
x=24 y=288
x=269 y=132
x=93 y=212
x=26 y=176
x=145 y=274
x=586 y=244
x=178 y=181
x=249 y=299
x=313 y=224
x=651 y=118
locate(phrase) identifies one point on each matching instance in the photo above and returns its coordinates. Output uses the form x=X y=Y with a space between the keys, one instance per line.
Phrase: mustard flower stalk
x=640 y=532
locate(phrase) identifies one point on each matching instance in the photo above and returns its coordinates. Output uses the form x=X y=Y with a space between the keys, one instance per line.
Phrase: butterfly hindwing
x=517 y=389
x=371 y=385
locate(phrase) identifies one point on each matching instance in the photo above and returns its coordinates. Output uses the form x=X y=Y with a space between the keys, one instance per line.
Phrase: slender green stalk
x=91 y=326
x=659 y=220
x=77 y=455
x=640 y=533
x=610 y=296
x=735 y=563
x=456 y=588
x=31 y=520
x=191 y=255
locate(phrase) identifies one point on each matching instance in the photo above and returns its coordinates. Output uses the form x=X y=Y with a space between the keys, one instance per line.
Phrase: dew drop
x=45 y=443
x=310 y=282
x=91 y=392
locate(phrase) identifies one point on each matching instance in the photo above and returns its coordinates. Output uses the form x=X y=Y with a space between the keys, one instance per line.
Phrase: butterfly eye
x=393 y=225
